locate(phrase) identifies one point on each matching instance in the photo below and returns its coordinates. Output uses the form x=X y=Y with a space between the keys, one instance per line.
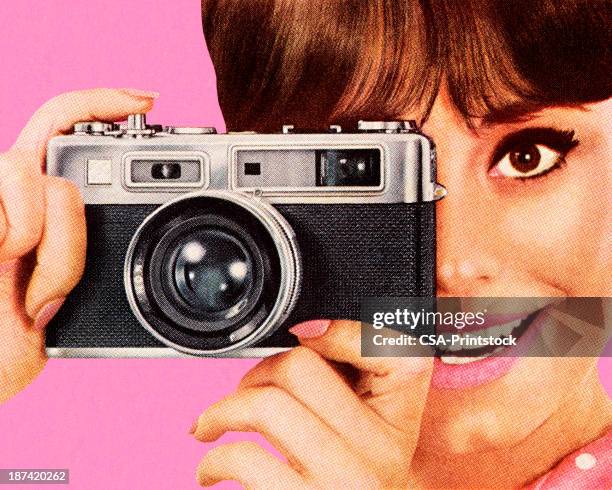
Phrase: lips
x=456 y=367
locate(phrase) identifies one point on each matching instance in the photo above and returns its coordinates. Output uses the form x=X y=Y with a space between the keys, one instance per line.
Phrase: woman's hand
x=42 y=229
x=340 y=420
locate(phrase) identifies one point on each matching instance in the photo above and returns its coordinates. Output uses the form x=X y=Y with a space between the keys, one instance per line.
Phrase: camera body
x=215 y=244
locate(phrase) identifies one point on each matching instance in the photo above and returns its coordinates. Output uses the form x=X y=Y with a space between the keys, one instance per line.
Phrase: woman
x=517 y=99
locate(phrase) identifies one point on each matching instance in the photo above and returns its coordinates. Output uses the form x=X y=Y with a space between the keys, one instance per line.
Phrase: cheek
x=562 y=236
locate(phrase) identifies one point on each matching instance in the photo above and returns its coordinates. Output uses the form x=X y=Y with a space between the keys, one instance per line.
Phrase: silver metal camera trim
x=407 y=180
x=163 y=156
x=309 y=191
x=152 y=353
x=291 y=270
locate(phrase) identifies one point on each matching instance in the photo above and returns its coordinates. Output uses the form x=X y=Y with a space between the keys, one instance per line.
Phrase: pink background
x=114 y=423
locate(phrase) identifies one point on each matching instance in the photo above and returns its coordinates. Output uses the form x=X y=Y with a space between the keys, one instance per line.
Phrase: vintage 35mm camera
x=215 y=244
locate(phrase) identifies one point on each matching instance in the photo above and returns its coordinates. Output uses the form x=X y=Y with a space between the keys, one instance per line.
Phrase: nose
x=469 y=245
x=468 y=223
x=467 y=261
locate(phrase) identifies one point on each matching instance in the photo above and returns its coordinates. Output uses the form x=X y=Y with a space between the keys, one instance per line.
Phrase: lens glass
x=213 y=272
x=205 y=273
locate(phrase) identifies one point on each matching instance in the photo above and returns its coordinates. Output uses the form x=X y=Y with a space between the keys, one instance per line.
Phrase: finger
x=59 y=114
x=60 y=256
x=22 y=207
x=302 y=372
x=249 y=464
x=295 y=431
x=396 y=386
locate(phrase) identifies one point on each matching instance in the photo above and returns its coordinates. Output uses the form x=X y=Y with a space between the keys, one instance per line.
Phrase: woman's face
x=527 y=214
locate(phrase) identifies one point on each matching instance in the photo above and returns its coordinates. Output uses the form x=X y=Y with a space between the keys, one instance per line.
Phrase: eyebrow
x=520 y=112
x=510 y=114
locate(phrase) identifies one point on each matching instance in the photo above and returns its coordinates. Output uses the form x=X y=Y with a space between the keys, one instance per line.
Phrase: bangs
x=338 y=61
x=506 y=59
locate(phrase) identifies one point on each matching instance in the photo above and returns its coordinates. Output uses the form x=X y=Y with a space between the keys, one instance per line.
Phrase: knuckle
x=264 y=403
x=219 y=454
x=396 y=457
x=64 y=188
x=65 y=99
x=293 y=365
x=29 y=237
x=63 y=106
x=356 y=476
x=14 y=174
x=369 y=481
x=60 y=280
x=50 y=109
x=242 y=448
x=66 y=194
x=226 y=461
x=228 y=454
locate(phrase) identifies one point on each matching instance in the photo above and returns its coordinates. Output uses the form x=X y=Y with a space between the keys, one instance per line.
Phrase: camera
x=213 y=244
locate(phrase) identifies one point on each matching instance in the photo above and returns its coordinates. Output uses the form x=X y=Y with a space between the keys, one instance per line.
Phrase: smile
x=464 y=348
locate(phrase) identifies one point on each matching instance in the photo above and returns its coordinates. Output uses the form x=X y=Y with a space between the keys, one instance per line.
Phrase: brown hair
x=337 y=61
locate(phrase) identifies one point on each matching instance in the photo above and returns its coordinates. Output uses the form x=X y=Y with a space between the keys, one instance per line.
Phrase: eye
x=531 y=153
x=527 y=160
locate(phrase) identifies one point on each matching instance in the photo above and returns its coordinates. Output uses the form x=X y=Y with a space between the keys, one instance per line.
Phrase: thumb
x=395 y=387
x=59 y=114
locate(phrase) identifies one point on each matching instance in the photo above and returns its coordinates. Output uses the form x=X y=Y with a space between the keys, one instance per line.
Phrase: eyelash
x=560 y=141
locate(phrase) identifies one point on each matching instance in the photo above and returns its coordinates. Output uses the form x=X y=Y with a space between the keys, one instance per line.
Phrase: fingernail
x=310 y=329
x=47 y=312
x=147 y=94
x=194 y=426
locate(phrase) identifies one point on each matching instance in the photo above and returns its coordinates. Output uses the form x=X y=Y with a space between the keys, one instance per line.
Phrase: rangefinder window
x=348 y=168
x=252 y=168
x=166 y=170
x=145 y=170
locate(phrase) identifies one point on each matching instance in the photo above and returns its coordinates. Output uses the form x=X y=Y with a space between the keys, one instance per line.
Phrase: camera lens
x=213 y=272
x=207 y=272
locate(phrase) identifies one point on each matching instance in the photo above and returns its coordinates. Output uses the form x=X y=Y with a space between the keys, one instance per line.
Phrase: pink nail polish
x=46 y=313
x=147 y=94
x=310 y=329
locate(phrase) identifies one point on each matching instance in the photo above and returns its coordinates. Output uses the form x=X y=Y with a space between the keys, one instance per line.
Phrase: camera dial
x=189 y=130
x=387 y=126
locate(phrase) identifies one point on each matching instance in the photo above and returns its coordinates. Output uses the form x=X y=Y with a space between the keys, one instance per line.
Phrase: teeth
x=457 y=360
x=455 y=346
x=503 y=330
x=454 y=360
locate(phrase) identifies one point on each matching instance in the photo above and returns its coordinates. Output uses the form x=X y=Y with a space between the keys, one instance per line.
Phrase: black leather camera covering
x=349 y=251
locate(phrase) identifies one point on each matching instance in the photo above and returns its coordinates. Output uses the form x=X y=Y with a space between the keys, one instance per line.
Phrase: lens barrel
x=212 y=272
